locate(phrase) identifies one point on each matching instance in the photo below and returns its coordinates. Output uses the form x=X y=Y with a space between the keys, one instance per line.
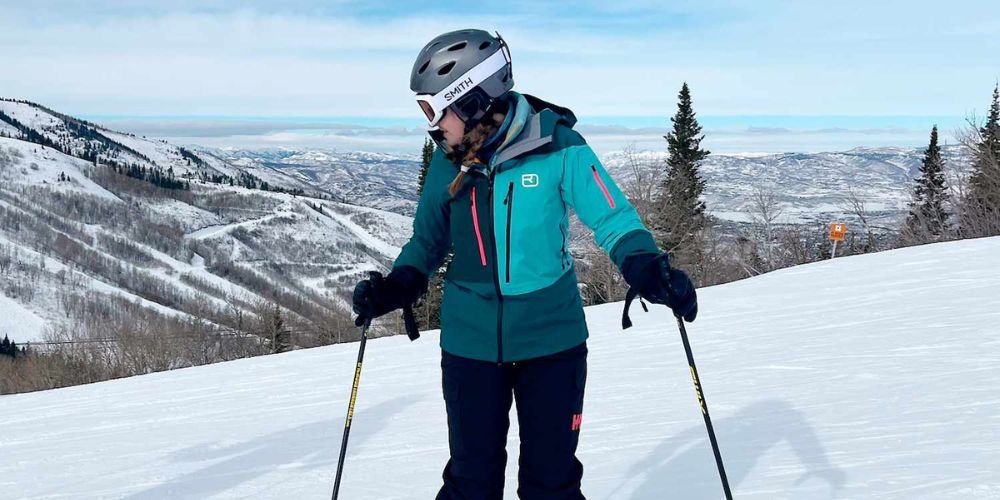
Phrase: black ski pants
x=549 y=395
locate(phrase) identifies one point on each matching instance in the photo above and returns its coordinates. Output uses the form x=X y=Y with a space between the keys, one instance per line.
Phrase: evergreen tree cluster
x=192 y=158
x=977 y=210
x=153 y=175
x=428 y=307
x=247 y=180
x=981 y=215
x=9 y=348
x=27 y=133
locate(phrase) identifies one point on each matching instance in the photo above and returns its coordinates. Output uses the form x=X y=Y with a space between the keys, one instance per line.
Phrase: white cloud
x=628 y=58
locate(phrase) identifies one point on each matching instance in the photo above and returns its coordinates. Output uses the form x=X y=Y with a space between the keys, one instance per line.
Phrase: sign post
x=838 y=232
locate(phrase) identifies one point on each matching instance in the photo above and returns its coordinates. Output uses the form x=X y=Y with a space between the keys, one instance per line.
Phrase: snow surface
x=872 y=376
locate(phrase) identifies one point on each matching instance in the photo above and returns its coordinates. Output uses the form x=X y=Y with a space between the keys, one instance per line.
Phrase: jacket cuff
x=408 y=282
x=635 y=242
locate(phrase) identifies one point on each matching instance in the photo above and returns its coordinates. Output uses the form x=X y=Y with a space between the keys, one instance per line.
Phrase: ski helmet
x=466 y=70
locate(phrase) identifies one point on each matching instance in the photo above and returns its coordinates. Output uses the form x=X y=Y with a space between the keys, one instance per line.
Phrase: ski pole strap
x=411 y=322
x=629 y=296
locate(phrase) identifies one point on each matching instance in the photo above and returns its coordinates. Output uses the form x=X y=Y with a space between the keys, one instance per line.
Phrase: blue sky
x=763 y=64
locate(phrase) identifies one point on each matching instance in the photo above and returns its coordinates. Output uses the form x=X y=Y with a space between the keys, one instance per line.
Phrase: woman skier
x=506 y=168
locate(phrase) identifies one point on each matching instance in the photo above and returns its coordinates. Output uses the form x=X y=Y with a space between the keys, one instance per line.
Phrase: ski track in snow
x=862 y=377
x=361 y=233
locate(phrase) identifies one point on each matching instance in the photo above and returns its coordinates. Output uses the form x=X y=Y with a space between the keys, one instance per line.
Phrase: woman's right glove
x=657 y=282
x=379 y=295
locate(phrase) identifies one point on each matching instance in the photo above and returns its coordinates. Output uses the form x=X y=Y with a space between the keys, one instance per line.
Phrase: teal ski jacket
x=510 y=291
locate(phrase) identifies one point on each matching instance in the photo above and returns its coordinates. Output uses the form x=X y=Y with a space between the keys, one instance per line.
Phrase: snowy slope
x=18 y=322
x=40 y=165
x=872 y=376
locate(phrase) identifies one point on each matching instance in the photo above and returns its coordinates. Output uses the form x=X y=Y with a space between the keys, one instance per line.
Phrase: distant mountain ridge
x=379 y=180
x=32 y=122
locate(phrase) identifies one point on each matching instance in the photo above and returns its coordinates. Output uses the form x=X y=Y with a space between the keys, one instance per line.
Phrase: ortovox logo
x=529 y=180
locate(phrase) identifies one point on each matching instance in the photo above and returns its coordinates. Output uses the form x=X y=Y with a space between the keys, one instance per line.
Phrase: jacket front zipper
x=563 y=246
x=475 y=224
x=509 y=201
x=496 y=273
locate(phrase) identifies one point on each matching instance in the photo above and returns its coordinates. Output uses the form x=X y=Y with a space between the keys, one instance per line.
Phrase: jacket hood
x=533 y=126
x=563 y=115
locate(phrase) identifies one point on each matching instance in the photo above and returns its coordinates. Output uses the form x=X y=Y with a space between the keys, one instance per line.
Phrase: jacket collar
x=533 y=125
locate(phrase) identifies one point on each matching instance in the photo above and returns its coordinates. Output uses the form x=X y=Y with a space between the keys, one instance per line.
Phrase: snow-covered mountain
x=810 y=187
x=871 y=376
x=377 y=180
x=82 y=139
x=86 y=219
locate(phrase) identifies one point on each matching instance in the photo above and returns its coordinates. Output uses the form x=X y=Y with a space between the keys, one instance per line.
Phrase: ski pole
x=350 y=408
x=704 y=409
x=627 y=323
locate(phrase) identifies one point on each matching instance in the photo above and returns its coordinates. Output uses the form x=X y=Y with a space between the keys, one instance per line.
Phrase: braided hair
x=465 y=154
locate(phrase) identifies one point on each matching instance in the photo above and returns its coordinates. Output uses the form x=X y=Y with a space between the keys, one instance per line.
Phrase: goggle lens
x=428 y=111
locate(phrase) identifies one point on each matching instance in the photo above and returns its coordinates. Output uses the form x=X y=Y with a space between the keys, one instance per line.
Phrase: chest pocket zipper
x=509 y=201
x=604 y=188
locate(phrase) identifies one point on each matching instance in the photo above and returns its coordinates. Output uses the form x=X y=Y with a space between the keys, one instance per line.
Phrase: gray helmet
x=451 y=55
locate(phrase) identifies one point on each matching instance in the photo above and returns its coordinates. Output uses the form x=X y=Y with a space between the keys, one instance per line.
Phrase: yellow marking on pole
x=354 y=396
x=697 y=390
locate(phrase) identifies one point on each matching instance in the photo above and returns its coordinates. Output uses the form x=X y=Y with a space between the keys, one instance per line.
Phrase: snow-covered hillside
x=74 y=229
x=872 y=376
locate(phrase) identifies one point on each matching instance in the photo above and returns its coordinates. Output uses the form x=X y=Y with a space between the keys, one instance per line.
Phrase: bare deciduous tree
x=855 y=203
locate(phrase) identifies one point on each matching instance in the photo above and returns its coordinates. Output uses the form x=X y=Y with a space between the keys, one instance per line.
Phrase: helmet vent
x=457 y=46
x=423 y=68
x=485 y=44
x=446 y=68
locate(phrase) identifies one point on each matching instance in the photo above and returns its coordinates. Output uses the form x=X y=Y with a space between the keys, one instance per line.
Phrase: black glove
x=379 y=295
x=657 y=282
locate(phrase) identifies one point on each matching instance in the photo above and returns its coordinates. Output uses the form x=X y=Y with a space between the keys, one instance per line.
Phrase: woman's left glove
x=657 y=282
x=379 y=295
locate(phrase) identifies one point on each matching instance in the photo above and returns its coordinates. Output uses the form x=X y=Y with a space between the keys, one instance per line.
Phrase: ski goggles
x=464 y=95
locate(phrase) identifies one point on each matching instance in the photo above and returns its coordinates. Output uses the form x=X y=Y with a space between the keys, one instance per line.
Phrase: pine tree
x=425 y=164
x=680 y=215
x=5 y=346
x=982 y=217
x=428 y=307
x=928 y=220
x=280 y=336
